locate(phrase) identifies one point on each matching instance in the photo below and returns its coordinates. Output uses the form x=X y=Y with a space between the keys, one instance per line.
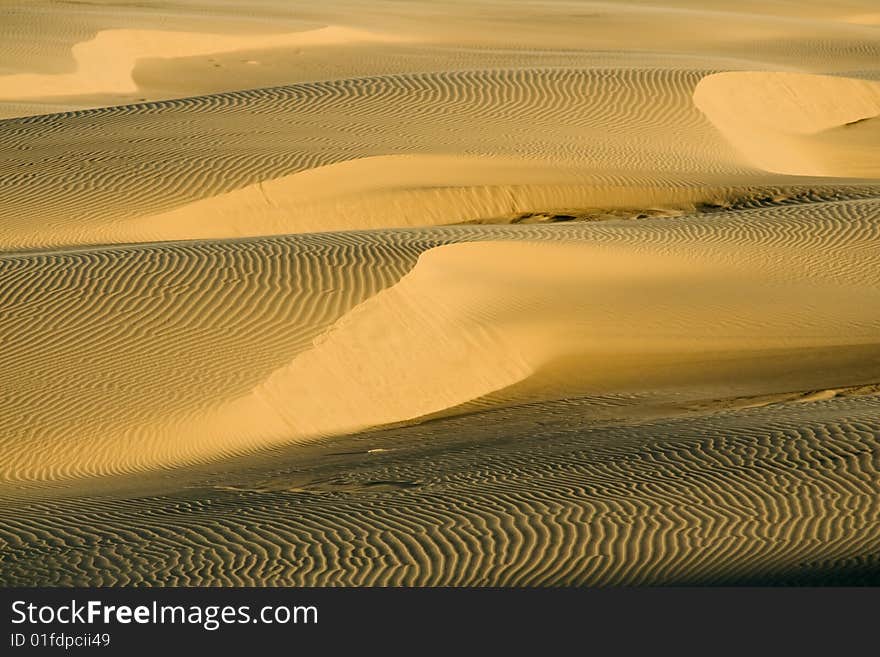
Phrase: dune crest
x=492 y=142
x=454 y=293
x=570 y=316
x=104 y=64
x=400 y=191
x=473 y=318
x=780 y=121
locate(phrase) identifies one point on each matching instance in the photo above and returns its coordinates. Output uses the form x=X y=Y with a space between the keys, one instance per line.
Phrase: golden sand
x=481 y=293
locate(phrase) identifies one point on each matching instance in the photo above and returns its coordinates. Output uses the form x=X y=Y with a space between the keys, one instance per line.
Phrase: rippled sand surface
x=453 y=294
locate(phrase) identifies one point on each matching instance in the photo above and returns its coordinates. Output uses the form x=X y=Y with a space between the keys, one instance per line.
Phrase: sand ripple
x=135 y=344
x=472 y=294
x=773 y=495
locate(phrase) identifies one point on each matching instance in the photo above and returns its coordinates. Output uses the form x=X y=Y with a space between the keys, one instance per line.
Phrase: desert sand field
x=439 y=293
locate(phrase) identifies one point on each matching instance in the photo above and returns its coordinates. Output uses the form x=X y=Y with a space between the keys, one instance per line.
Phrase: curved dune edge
x=117 y=164
x=387 y=191
x=473 y=318
x=104 y=64
x=796 y=123
x=776 y=495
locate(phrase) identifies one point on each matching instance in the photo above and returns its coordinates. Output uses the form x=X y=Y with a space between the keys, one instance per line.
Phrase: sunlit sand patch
x=796 y=123
x=475 y=293
x=105 y=63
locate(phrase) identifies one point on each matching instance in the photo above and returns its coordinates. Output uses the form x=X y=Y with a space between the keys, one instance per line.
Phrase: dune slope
x=778 y=495
x=255 y=342
x=796 y=123
x=468 y=294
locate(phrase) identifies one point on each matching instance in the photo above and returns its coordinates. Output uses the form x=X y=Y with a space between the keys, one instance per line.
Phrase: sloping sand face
x=407 y=190
x=398 y=150
x=297 y=339
x=797 y=123
x=105 y=64
x=778 y=495
x=471 y=319
x=531 y=294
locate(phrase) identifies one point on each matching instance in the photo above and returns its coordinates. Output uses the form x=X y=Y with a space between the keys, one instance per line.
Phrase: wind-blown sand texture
x=470 y=294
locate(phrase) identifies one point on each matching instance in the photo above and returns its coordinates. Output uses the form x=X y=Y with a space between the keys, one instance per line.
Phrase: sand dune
x=93 y=187
x=375 y=171
x=467 y=294
x=797 y=123
x=503 y=312
x=104 y=64
x=776 y=495
x=417 y=190
x=275 y=328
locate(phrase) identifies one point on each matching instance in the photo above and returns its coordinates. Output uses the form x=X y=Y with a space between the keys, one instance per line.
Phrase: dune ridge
x=776 y=119
x=312 y=300
x=474 y=293
x=283 y=179
x=88 y=190
x=759 y=496
x=105 y=63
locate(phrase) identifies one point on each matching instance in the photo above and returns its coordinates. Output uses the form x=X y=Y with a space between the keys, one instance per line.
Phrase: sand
x=106 y=63
x=807 y=125
x=531 y=294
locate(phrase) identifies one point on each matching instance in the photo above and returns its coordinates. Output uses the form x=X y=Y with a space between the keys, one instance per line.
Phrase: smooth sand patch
x=474 y=318
x=268 y=315
x=864 y=19
x=399 y=191
x=105 y=63
x=795 y=123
